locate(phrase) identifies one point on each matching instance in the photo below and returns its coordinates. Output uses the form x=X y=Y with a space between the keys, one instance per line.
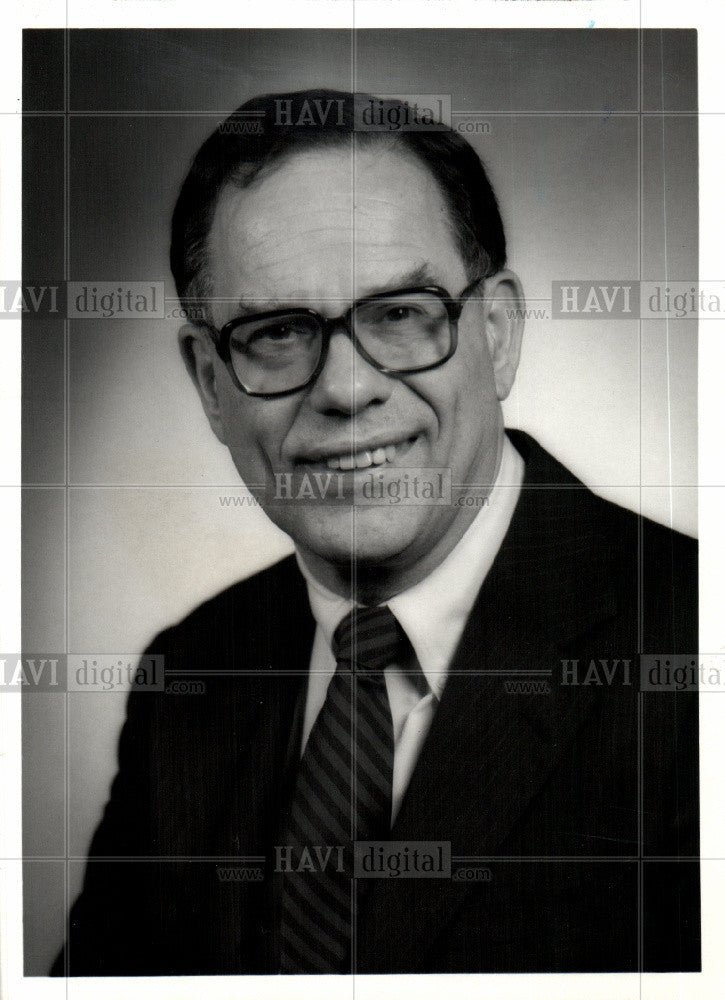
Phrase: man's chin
x=373 y=536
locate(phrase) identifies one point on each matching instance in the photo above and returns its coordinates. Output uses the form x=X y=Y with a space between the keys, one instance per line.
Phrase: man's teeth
x=362 y=459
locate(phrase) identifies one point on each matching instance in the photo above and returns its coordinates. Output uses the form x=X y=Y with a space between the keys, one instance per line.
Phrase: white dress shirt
x=433 y=613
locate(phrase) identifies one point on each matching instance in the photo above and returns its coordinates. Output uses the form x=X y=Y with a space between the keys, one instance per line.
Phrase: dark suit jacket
x=581 y=803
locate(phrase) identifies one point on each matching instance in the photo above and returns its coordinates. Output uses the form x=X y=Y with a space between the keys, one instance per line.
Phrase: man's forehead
x=355 y=219
x=361 y=285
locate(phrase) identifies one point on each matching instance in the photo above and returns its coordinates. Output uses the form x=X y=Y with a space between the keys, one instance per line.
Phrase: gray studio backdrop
x=124 y=526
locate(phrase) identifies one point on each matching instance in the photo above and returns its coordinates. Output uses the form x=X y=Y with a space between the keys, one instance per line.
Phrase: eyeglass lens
x=400 y=332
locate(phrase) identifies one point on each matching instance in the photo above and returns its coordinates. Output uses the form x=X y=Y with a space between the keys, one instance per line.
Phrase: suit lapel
x=488 y=752
x=268 y=743
x=267 y=720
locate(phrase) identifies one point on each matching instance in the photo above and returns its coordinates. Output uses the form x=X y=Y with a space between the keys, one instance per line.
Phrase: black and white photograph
x=361 y=585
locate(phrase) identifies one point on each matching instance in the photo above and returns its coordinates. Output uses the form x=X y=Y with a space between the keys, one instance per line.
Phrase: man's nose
x=347 y=382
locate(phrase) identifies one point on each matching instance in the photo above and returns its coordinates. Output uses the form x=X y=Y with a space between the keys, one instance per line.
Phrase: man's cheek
x=245 y=428
x=245 y=446
x=260 y=454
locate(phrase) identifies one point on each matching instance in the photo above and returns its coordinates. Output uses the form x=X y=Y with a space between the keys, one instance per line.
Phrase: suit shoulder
x=652 y=540
x=656 y=572
x=594 y=543
x=237 y=618
x=618 y=524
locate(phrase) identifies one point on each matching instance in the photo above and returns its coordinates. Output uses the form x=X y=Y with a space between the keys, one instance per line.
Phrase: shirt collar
x=434 y=611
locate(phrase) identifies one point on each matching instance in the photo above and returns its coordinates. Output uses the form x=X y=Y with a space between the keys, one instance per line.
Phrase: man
x=356 y=329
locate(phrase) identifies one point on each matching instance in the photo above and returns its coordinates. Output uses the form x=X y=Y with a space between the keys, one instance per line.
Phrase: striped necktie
x=342 y=794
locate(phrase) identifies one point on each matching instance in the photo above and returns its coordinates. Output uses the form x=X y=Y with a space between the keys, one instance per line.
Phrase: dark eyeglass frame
x=453 y=305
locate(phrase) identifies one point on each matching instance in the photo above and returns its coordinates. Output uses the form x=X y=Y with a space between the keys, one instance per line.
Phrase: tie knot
x=368 y=640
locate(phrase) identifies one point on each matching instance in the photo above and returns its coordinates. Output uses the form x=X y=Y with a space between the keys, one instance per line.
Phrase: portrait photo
x=360 y=501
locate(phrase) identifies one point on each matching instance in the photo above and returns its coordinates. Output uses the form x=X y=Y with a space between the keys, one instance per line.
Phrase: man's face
x=319 y=231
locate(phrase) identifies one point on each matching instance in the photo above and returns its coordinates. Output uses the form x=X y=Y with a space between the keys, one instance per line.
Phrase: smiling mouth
x=366 y=458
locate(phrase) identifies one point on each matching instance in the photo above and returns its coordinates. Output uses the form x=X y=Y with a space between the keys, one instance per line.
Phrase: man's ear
x=505 y=305
x=200 y=358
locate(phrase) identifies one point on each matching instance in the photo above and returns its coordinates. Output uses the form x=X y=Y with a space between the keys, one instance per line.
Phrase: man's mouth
x=363 y=458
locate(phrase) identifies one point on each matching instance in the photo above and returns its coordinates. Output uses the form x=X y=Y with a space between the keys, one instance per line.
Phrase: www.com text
x=240 y=874
x=241 y=128
x=527 y=313
x=467 y=500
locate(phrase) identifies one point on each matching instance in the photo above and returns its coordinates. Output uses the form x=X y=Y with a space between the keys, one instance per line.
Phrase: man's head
x=304 y=210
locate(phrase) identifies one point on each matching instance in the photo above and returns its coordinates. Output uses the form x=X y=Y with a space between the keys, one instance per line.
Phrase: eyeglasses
x=281 y=351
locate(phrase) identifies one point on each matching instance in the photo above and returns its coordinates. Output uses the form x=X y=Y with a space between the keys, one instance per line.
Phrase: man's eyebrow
x=248 y=305
x=419 y=276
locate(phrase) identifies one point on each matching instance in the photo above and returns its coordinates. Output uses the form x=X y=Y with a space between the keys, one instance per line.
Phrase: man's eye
x=278 y=333
x=398 y=314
